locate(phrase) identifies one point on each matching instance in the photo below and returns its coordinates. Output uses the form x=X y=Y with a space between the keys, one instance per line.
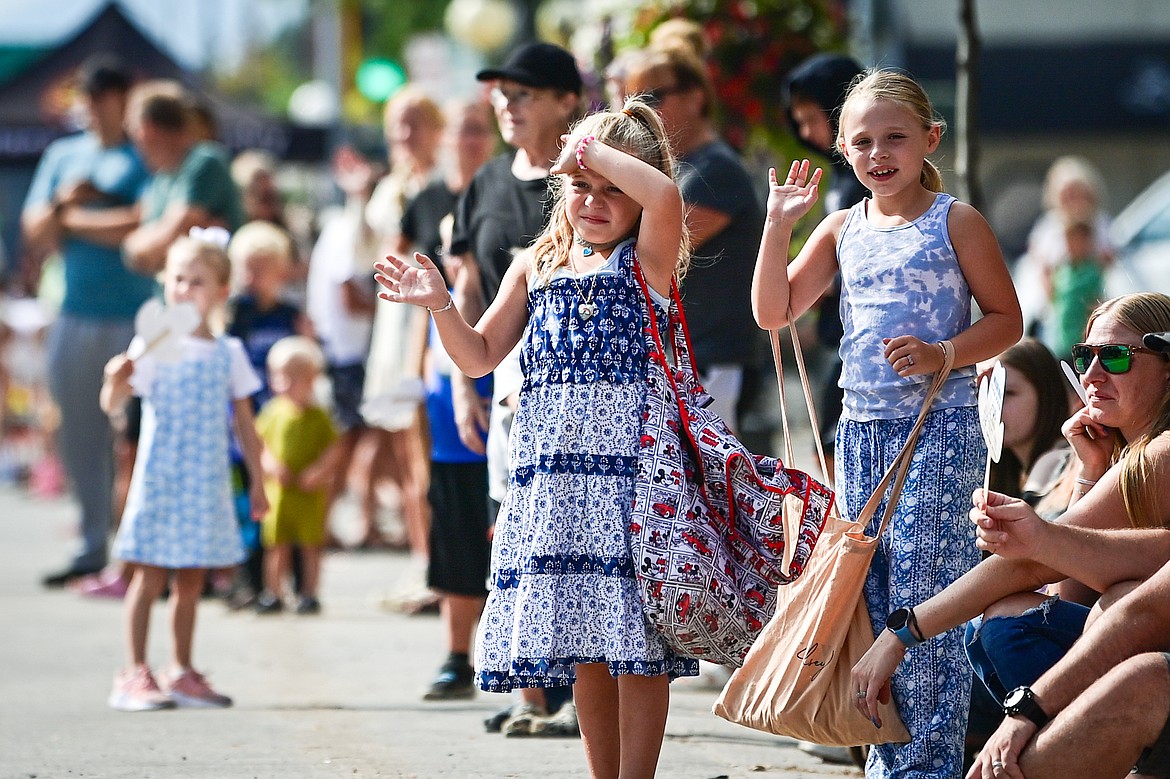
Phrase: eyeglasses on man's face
x=514 y=97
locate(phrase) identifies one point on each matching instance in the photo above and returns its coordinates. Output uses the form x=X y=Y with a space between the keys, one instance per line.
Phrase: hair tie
x=215 y=235
x=629 y=113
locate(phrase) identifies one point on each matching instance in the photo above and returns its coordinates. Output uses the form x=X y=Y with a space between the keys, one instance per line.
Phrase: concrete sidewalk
x=337 y=695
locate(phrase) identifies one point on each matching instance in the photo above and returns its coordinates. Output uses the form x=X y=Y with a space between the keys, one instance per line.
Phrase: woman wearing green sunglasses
x=1121 y=438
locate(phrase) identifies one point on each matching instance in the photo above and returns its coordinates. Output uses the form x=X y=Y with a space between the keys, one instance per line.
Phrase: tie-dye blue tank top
x=901 y=280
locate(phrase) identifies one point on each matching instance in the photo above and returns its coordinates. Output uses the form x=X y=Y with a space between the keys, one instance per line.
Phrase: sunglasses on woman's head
x=1114 y=358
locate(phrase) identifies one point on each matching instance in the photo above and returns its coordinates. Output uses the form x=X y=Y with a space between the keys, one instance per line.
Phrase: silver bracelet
x=450 y=303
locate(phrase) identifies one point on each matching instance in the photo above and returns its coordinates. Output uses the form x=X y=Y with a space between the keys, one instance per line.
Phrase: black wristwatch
x=1021 y=702
x=903 y=624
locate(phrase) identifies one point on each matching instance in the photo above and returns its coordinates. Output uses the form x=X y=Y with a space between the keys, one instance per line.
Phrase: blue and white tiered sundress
x=563 y=589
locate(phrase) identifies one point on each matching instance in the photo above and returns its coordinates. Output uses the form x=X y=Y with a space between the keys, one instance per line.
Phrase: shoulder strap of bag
x=898 y=469
x=774 y=338
x=680 y=338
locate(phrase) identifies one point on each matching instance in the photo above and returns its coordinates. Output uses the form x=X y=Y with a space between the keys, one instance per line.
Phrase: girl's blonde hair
x=877 y=84
x=635 y=130
x=212 y=256
x=1144 y=312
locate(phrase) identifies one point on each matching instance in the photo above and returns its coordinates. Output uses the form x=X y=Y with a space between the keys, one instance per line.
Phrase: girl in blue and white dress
x=911 y=259
x=180 y=519
x=564 y=605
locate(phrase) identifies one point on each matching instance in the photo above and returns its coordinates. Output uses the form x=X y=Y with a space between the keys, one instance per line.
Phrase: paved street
x=330 y=696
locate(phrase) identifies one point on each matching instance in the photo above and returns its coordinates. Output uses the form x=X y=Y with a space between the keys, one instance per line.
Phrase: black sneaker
x=494 y=723
x=61 y=578
x=308 y=605
x=268 y=603
x=452 y=683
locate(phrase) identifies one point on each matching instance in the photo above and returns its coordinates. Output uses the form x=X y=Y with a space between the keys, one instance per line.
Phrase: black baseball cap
x=102 y=73
x=542 y=65
x=1159 y=342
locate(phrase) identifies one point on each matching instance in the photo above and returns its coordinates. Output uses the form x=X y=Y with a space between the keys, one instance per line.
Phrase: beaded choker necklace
x=587 y=249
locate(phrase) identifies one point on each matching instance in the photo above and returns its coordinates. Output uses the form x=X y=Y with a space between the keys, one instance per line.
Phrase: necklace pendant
x=587 y=251
x=586 y=310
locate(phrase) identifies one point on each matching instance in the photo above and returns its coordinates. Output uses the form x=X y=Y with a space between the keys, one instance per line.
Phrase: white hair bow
x=216 y=236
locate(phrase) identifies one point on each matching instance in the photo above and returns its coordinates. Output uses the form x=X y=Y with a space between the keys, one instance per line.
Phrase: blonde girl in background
x=179 y=519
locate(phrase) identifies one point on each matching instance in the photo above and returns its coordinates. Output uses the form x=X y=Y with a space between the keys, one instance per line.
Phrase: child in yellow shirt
x=299 y=459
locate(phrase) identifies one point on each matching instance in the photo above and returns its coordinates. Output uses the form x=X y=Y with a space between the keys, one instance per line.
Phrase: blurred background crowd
x=293 y=91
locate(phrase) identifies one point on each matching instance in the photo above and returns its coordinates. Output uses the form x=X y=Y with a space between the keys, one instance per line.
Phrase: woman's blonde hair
x=635 y=130
x=894 y=86
x=1143 y=312
x=681 y=31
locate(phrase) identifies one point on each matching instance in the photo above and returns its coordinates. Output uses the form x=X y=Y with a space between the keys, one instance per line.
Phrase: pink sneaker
x=136 y=690
x=190 y=689
x=104 y=584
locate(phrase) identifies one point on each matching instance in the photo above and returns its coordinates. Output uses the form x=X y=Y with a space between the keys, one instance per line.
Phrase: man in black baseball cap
x=538 y=65
x=1159 y=342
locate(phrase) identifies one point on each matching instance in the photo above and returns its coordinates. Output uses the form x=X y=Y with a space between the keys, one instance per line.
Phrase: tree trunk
x=966 y=106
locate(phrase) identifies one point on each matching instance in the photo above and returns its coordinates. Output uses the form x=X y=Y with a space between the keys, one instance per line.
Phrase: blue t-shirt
x=259 y=329
x=97 y=284
x=446 y=446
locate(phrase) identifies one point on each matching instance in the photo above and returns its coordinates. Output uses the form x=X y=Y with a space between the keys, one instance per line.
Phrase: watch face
x=1015 y=698
x=897 y=619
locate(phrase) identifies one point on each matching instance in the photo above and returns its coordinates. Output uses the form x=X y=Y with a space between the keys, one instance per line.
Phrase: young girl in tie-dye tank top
x=911 y=259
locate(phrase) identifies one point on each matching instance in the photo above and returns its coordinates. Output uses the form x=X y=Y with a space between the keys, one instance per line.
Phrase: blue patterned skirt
x=929 y=543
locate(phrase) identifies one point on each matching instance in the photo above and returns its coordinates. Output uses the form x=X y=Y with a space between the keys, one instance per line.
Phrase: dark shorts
x=460 y=550
x=348 y=381
x=1155 y=760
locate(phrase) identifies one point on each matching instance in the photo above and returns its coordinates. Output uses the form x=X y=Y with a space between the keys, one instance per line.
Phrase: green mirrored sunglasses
x=1114 y=358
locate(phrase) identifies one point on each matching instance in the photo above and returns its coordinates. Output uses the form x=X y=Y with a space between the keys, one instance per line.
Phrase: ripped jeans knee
x=1007 y=652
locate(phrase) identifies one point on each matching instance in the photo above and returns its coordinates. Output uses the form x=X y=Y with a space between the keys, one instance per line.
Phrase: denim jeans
x=1007 y=652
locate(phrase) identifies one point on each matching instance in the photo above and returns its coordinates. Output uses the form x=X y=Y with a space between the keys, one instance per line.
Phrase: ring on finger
x=860 y=693
x=909 y=360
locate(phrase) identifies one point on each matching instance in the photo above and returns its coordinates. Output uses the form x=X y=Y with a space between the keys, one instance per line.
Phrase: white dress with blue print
x=563 y=589
x=179 y=511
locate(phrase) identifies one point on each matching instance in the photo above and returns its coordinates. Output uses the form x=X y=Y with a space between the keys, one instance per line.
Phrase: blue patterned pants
x=929 y=543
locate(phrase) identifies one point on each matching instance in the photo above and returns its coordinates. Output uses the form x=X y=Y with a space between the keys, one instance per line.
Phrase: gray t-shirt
x=716 y=292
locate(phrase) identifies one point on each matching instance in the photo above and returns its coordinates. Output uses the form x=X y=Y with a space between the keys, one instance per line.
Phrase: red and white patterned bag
x=715 y=529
